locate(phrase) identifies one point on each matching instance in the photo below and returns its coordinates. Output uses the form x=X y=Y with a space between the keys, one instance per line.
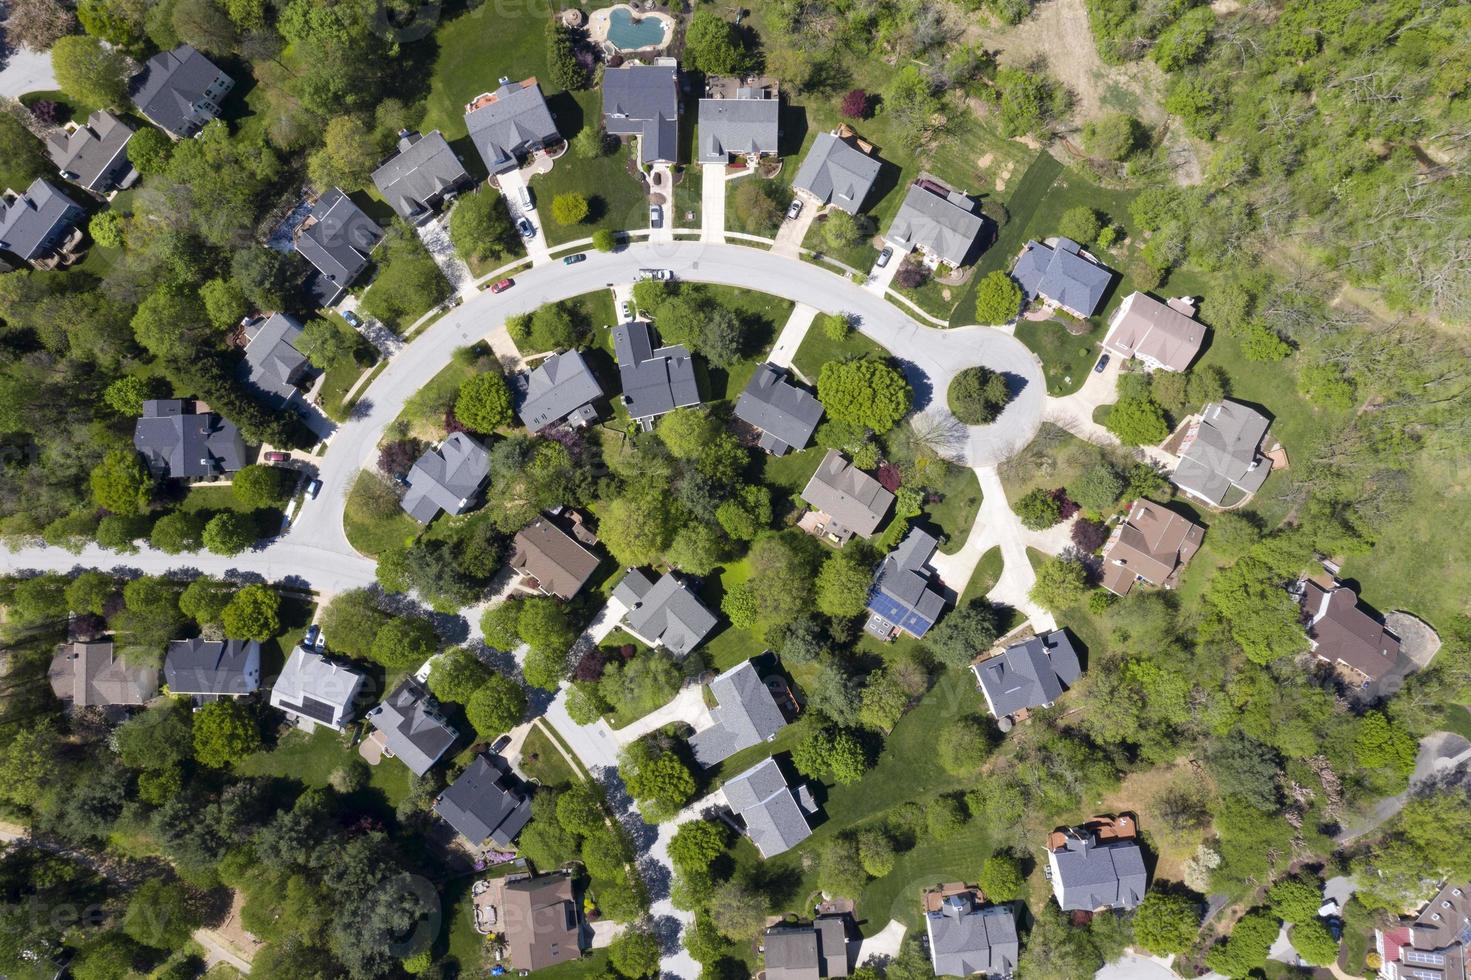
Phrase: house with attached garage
x=89 y=675
x=839 y=170
x=656 y=380
x=1062 y=275
x=409 y=726
x=967 y=937
x=273 y=365
x=551 y=561
x=666 y=613
x=540 y=920
x=1432 y=944
x=337 y=238
x=486 y=802
x=642 y=101
x=560 y=389
x=94 y=155
x=1097 y=866
x=904 y=597
x=1221 y=459
x=783 y=413
x=446 y=479
x=510 y=125
x=746 y=714
x=774 y=816
x=803 y=952
x=178 y=441
x=1151 y=544
x=1030 y=674
x=420 y=175
x=738 y=117
x=1345 y=634
x=313 y=690
x=942 y=225
x=1161 y=336
x=845 y=501
x=212 y=669
x=180 y=91
x=39 y=227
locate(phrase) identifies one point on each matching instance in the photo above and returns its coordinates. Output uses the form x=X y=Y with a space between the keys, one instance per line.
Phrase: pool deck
x=600 y=21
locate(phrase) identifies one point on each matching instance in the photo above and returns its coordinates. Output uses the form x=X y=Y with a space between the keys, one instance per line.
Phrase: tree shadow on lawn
x=919 y=382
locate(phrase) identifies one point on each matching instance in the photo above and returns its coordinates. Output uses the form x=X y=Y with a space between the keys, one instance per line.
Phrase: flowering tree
x=855 y=104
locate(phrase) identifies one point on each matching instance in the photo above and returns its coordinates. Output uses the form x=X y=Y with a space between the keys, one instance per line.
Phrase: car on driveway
x=625 y=311
x=794 y=209
x=574 y=259
x=663 y=275
x=1102 y=363
x=656 y=216
x=884 y=257
x=503 y=285
x=353 y=320
x=276 y=456
x=313 y=488
x=527 y=203
x=524 y=229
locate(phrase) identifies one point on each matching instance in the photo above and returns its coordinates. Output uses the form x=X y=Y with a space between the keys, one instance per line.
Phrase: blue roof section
x=897 y=613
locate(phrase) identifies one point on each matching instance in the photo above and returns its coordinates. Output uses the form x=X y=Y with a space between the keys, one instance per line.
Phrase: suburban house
x=643 y=101
x=211 y=669
x=666 y=613
x=94 y=155
x=807 y=952
x=1432 y=945
x=562 y=388
x=274 y=366
x=1221 y=461
x=180 y=91
x=1030 y=674
x=486 y=803
x=336 y=238
x=840 y=170
x=550 y=560
x=446 y=479
x=1063 y=275
x=1151 y=545
x=180 y=442
x=89 y=675
x=904 y=597
x=968 y=937
x=941 y=224
x=420 y=175
x=408 y=725
x=1343 y=633
x=1162 y=336
x=313 y=690
x=738 y=117
x=746 y=715
x=510 y=125
x=1097 y=866
x=774 y=816
x=845 y=501
x=540 y=921
x=784 y=414
x=39 y=227
x=656 y=380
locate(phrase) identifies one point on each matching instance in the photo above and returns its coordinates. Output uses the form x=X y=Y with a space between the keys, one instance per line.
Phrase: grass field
x=616 y=198
x=211 y=500
x=817 y=348
x=311 y=759
x=1066 y=359
x=541 y=760
x=370 y=527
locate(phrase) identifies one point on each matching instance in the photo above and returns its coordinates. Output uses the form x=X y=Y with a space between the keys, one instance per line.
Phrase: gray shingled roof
x=746 y=715
x=665 y=613
x=807 y=952
x=336 y=239
x=655 y=380
x=88 y=675
x=271 y=357
x=176 y=443
x=36 y=222
x=219 y=667
x=852 y=498
x=643 y=101
x=966 y=940
x=557 y=388
x=419 y=174
x=946 y=226
x=786 y=414
x=1224 y=453
x=1029 y=674
x=412 y=727
x=774 y=820
x=170 y=90
x=485 y=802
x=1062 y=275
x=316 y=688
x=729 y=127
x=448 y=478
x=515 y=124
x=94 y=155
x=838 y=174
x=1088 y=875
x=903 y=592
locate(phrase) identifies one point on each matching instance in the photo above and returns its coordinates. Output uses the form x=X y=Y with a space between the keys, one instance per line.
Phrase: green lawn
x=370 y=525
x=212 y=500
x=313 y=758
x=1066 y=359
x=540 y=760
x=1054 y=458
x=860 y=257
x=616 y=198
x=934 y=297
x=737 y=219
x=984 y=578
x=960 y=499
x=817 y=348
x=763 y=316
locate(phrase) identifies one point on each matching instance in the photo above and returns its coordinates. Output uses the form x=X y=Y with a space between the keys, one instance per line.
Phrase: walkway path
x=792 y=335
x=1441 y=753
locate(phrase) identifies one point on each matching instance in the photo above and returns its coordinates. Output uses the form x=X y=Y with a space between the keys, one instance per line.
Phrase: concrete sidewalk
x=792 y=335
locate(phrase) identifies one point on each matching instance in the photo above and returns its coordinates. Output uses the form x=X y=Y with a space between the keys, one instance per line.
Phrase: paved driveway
x=789 y=236
x=512 y=185
x=26 y=71
x=712 y=202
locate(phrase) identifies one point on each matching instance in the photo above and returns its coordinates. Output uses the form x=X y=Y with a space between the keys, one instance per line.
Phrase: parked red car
x=277 y=457
x=503 y=285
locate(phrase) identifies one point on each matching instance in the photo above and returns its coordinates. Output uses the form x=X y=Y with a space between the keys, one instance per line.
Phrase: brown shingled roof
x=548 y=554
x=1152 y=543
x=540 y=921
x=1344 y=633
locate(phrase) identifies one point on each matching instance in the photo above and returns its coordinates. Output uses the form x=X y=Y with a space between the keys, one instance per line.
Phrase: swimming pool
x=628 y=34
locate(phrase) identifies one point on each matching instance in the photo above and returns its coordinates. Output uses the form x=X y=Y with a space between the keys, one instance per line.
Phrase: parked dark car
x=353 y=320
x=574 y=259
x=1102 y=363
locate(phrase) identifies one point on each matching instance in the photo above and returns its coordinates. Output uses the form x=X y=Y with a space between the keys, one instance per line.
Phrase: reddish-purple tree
x=397 y=458
x=47 y=111
x=855 y=104
x=1088 y=535
x=889 y=477
x=452 y=424
x=1068 y=507
x=911 y=275
x=590 y=667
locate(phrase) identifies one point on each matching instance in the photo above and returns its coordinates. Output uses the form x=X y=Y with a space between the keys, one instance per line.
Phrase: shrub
x=569 y=208
x=1088 y=536
x=998 y=299
x=836 y=326
x=978 y=395
x=1038 y=510
x=856 y=104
